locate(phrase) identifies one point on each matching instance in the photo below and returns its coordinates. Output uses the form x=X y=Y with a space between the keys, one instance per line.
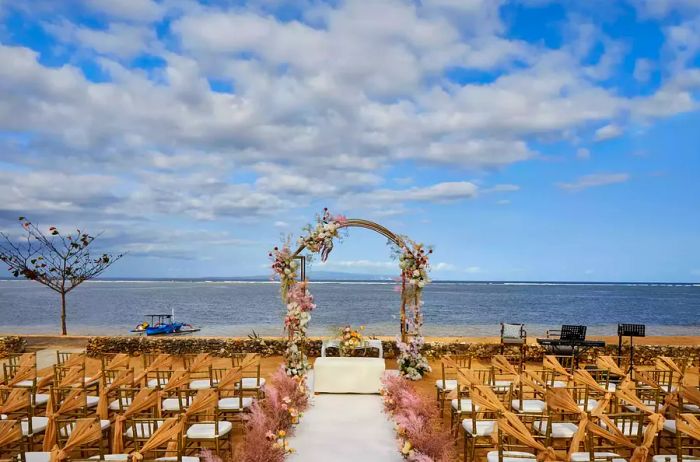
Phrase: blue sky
x=524 y=139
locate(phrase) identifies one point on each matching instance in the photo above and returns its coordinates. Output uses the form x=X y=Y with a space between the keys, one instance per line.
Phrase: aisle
x=343 y=428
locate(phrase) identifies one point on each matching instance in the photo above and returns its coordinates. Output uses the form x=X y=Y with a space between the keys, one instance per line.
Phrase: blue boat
x=163 y=324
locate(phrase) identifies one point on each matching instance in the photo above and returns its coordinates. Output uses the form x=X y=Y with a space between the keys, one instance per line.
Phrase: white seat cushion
x=3 y=416
x=174 y=459
x=502 y=383
x=529 y=405
x=511 y=456
x=670 y=426
x=597 y=456
x=114 y=405
x=559 y=384
x=591 y=404
x=113 y=457
x=41 y=398
x=691 y=407
x=200 y=384
x=206 y=431
x=465 y=404
x=142 y=430
x=234 y=403
x=38 y=425
x=667 y=458
x=251 y=383
x=26 y=384
x=447 y=385
x=559 y=429
x=92 y=401
x=37 y=456
x=173 y=404
x=155 y=383
x=483 y=427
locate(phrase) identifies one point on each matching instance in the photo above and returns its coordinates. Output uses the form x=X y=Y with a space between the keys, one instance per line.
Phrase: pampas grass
x=418 y=422
x=271 y=417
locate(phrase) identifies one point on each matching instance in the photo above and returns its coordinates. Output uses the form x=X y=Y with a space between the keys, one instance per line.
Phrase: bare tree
x=59 y=261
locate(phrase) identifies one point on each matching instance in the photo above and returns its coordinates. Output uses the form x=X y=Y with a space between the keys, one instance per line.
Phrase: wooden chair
x=158 y=378
x=448 y=380
x=478 y=426
x=232 y=400
x=514 y=335
x=17 y=405
x=205 y=425
x=252 y=381
x=687 y=441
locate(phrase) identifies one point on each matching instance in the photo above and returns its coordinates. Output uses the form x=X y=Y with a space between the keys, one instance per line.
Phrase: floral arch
x=290 y=267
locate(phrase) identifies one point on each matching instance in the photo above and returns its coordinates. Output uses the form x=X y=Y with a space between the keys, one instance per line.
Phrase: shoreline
x=42 y=341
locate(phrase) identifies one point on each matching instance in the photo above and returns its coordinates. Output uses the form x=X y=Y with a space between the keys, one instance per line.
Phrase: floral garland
x=418 y=424
x=414 y=264
x=296 y=296
x=319 y=238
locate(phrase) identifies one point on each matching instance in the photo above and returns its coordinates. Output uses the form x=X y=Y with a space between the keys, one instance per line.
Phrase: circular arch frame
x=366 y=224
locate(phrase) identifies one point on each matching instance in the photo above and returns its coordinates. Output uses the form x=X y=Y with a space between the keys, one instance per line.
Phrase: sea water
x=237 y=308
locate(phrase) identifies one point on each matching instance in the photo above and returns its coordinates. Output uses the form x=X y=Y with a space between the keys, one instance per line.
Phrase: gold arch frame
x=376 y=227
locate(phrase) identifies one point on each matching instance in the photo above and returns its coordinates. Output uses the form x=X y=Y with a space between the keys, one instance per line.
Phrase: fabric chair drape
x=10 y=432
x=125 y=377
x=688 y=424
x=74 y=400
x=168 y=431
x=146 y=398
x=512 y=426
x=551 y=362
x=26 y=370
x=608 y=363
x=84 y=431
x=201 y=362
x=162 y=361
x=16 y=400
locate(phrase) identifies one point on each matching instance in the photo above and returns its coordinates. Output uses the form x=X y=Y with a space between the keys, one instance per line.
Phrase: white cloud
x=440 y=192
x=608 y=132
x=594 y=180
x=442 y=266
x=366 y=264
x=583 y=153
x=643 y=69
x=133 y=10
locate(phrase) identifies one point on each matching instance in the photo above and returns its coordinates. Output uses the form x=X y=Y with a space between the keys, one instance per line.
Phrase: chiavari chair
x=448 y=379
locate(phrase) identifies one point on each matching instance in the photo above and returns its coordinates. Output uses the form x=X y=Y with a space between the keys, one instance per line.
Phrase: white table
x=348 y=375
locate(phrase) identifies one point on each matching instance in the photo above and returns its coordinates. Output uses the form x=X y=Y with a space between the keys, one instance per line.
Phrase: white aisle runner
x=340 y=428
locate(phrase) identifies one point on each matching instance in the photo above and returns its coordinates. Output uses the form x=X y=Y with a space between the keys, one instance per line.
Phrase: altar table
x=348 y=375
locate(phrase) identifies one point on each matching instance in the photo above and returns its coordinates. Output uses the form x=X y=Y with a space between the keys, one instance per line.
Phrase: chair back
x=89 y=445
x=250 y=370
x=159 y=377
x=512 y=331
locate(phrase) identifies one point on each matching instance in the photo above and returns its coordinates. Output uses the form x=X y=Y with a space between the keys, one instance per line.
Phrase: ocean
x=236 y=308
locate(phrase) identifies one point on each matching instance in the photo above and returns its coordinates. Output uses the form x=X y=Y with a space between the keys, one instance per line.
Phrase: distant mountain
x=323 y=276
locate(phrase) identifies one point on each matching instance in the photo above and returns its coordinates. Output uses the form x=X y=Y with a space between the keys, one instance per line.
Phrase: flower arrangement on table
x=420 y=432
x=350 y=340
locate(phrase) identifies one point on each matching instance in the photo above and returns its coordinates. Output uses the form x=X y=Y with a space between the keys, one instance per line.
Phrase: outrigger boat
x=163 y=324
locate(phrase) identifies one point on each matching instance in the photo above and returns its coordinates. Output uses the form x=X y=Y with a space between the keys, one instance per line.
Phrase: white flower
x=421 y=284
x=416 y=273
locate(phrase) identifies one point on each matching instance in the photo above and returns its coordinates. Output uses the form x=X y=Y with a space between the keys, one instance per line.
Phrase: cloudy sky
x=524 y=139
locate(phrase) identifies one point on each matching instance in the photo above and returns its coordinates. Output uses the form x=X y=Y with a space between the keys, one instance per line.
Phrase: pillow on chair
x=512 y=330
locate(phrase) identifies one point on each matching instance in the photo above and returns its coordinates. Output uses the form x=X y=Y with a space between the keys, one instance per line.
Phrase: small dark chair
x=514 y=335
